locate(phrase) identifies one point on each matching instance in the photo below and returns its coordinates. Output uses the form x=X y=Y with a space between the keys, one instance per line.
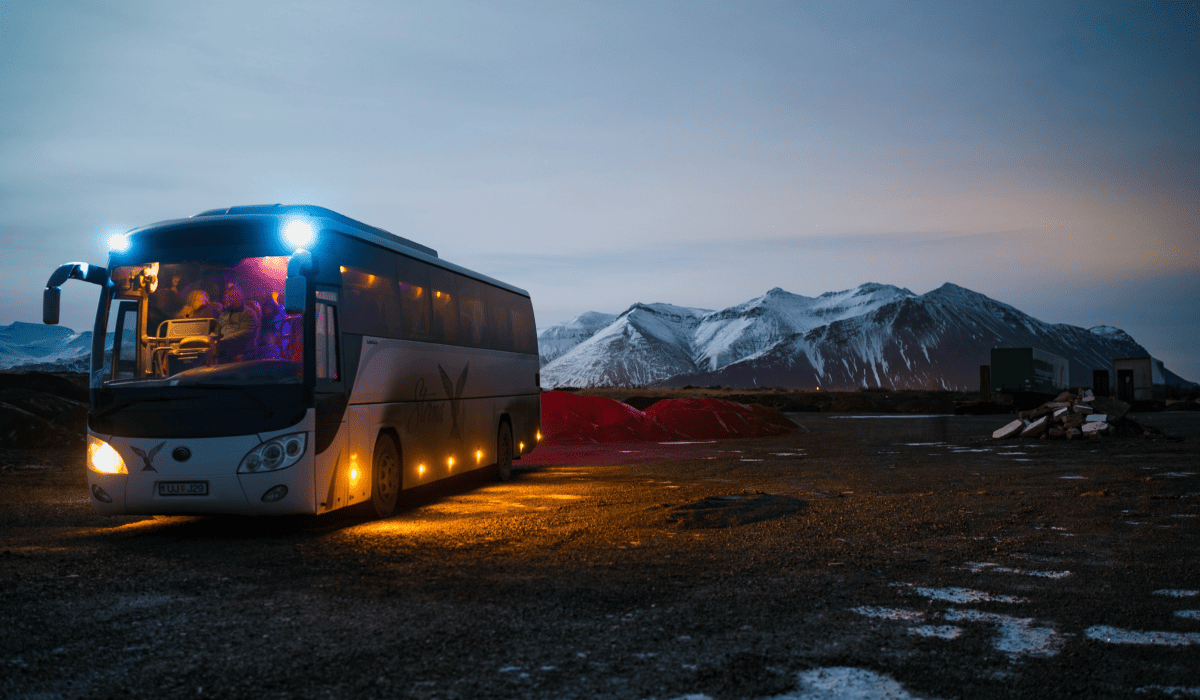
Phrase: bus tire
x=504 y=451
x=385 y=476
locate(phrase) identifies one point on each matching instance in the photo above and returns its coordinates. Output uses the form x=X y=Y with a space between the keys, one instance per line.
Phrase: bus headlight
x=277 y=453
x=103 y=459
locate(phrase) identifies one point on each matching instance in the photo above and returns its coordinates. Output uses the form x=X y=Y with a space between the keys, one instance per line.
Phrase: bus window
x=372 y=302
x=326 y=346
x=471 y=320
x=499 y=324
x=524 y=332
x=123 y=355
x=445 y=305
x=412 y=277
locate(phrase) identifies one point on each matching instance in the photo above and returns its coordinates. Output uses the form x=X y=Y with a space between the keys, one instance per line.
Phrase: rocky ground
x=903 y=555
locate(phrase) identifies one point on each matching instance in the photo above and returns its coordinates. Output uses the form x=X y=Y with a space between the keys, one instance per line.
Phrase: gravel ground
x=871 y=555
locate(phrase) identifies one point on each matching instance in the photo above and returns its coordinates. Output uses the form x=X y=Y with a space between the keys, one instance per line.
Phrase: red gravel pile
x=569 y=419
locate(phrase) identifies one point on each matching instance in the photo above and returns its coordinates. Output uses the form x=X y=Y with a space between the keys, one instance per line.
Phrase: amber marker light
x=539 y=436
x=520 y=447
x=103 y=459
x=478 y=456
x=420 y=468
x=450 y=462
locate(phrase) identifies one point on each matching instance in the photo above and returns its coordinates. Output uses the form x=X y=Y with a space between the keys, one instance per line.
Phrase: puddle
x=845 y=683
x=1114 y=635
x=1072 y=477
x=988 y=567
x=961 y=595
x=1175 y=691
x=1017 y=635
x=697 y=442
x=896 y=415
x=834 y=683
x=1188 y=614
x=732 y=510
x=937 y=631
x=890 y=613
x=1176 y=474
x=1176 y=593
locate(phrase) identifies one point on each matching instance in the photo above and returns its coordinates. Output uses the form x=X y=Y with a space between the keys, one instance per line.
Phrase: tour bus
x=288 y=359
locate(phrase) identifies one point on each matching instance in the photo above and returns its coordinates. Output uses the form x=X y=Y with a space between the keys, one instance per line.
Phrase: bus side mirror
x=295 y=289
x=50 y=302
x=94 y=274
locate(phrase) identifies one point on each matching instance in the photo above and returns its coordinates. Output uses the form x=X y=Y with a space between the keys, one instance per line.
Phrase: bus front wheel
x=504 y=452
x=385 y=476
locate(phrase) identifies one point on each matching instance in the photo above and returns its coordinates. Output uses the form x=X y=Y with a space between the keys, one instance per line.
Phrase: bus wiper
x=242 y=389
x=129 y=402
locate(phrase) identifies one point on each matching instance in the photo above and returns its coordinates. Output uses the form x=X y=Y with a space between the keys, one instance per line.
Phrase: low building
x=1139 y=379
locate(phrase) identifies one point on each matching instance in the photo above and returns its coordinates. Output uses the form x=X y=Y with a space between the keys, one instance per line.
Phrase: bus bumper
x=207 y=482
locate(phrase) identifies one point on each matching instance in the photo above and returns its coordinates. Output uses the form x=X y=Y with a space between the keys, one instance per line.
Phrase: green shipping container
x=1028 y=370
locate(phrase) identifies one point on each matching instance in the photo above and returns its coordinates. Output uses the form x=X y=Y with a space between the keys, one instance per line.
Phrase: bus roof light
x=299 y=233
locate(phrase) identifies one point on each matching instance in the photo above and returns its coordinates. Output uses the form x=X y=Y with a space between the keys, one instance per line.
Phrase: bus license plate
x=183 y=488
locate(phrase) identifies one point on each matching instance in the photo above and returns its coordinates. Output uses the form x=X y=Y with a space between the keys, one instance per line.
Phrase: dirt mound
x=736 y=509
x=570 y=419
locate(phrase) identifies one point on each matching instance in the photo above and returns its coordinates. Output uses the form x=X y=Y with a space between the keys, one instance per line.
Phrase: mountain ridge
x=873 y=335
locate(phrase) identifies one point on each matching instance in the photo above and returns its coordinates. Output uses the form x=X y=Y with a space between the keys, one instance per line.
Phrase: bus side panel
x=329 y=478
x=444 y=402
x=525 y=412
x=360 y=451
x=401 y=370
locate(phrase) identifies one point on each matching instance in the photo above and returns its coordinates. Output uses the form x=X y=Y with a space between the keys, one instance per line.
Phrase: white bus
x=287 y=359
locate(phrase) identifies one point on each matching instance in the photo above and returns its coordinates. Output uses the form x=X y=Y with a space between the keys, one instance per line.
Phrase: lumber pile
x=1073 y=416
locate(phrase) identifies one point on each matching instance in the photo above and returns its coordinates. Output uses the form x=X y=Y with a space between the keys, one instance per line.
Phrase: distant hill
x=42 y=347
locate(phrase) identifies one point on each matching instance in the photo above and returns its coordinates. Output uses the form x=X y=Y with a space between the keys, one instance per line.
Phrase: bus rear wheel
x=504 y=452
x=385 y=476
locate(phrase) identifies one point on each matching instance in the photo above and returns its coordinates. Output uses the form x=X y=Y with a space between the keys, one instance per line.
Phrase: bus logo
x=148 y=459
x=454 y=394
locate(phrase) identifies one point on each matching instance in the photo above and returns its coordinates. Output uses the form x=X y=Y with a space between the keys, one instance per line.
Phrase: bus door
x=333 y=465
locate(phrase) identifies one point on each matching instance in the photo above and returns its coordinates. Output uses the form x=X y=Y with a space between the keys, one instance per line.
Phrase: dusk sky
x=600 y=154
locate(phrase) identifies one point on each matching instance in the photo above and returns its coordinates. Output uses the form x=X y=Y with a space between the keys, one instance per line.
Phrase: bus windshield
x=202 y=322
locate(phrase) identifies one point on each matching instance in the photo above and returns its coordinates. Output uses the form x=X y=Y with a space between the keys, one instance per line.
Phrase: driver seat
x=184 y=343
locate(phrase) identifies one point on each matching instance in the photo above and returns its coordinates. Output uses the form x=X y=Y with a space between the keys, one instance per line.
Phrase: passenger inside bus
x=237 y=327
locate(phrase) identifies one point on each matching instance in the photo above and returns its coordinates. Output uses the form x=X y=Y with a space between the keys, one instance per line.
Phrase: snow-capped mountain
x=647 y=343
x=30 y=345
x=745 y=330
x=556 y=340
x=871 y=336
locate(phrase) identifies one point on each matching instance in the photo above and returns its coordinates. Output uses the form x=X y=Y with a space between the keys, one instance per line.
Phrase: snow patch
x=1115 y=635
x=952 y=594
x=1017 y=635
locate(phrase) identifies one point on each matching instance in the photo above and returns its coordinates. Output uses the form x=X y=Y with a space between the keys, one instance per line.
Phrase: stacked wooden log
x=1072 y=416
